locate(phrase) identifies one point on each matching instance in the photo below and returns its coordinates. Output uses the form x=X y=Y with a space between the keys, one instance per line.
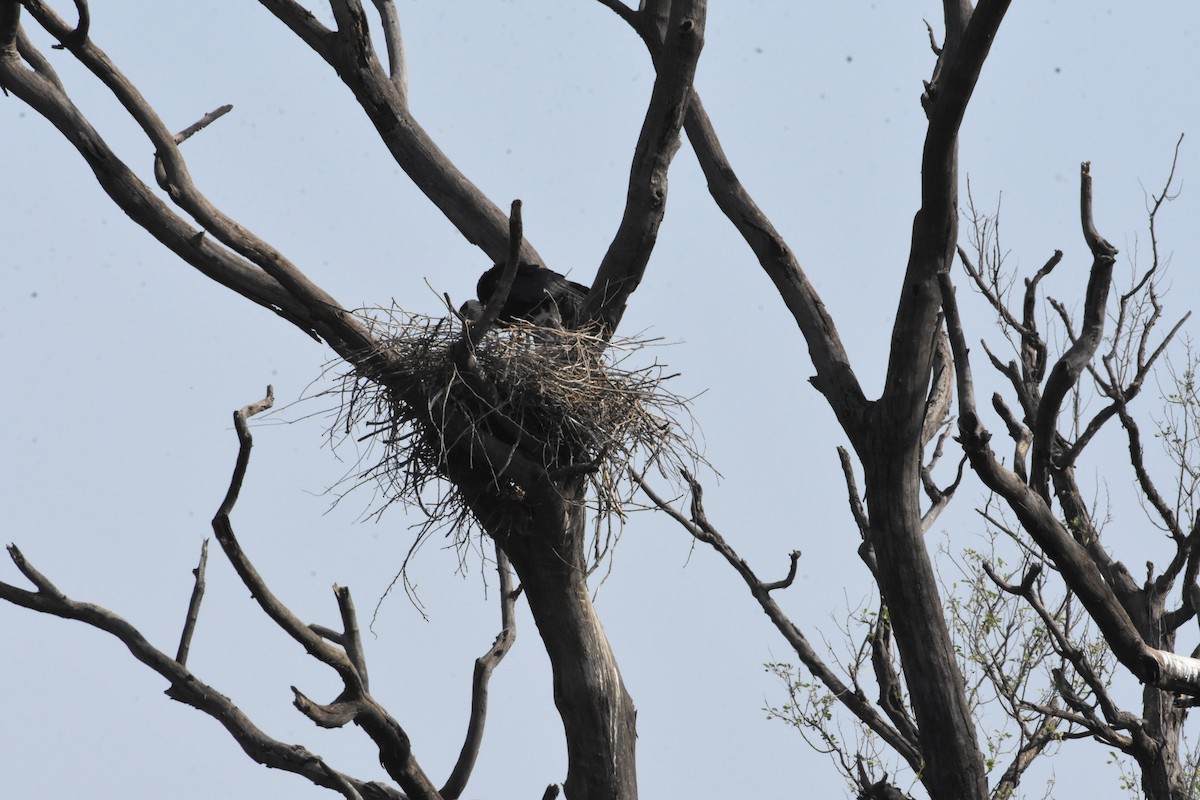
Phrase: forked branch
x=187 y=688
x=699 y=527
x=1079 y=561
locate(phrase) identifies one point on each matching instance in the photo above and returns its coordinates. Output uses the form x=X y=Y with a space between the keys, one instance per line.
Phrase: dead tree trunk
x=1156 y=745
x=544 y=533
x=953 y=764
x=597 y=713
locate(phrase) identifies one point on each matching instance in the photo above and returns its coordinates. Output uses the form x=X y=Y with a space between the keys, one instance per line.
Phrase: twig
x=202 y=123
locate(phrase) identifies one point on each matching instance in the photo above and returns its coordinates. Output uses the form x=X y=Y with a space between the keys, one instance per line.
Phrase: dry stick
x=193 y=612
x=484 y=666
x=202 y=123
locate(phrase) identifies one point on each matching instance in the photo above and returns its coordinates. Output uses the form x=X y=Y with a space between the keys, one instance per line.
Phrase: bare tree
x=527 y=479
x=1050 y=434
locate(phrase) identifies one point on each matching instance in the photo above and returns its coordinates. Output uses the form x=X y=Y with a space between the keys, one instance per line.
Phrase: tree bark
x=549 y=555
x=953 y=764
x=1156 y=746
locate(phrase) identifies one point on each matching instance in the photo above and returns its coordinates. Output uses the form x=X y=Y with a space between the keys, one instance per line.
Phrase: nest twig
x=525 y=402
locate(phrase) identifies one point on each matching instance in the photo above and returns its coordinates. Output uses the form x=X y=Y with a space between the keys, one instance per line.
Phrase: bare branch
x=355 y=703
x=352 y=637
x=79 y=35
x=202 y=123
x=474 y=332
x=302 y=23
x=193 y=612
x=185 y=687
x=891 y=693
x=941 y=388
x=794 y=559
x=835 y=378
x=625 y=262
x=856 y=505
x=1067 y=369
x=43 y=92
x=484 y=666
x=347 y=50
x=397 y=69
x=623 y=11
x=853 y=699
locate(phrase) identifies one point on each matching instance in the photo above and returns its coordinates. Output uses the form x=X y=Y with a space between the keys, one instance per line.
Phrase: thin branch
x=857 y=510
x=193 y=612
x=475 y=331
x=352 y=636
x=42 y=91
x=185 y=687
x=202 y=123
x=853 y=699
x=475 y=216
x=355 y=703
x=1066 y=371
x=397 y=68
x=1123 y=395
x=484 y=666
x=891 y=694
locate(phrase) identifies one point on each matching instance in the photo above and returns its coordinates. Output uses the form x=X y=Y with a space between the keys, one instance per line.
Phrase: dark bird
x=538 y=295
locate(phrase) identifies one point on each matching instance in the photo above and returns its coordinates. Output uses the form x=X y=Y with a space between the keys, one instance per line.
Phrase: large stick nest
x=525 y=403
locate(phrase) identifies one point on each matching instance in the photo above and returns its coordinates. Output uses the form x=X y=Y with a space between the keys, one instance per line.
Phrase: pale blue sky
x=123 y=364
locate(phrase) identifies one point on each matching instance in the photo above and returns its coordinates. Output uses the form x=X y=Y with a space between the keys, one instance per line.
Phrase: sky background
x=123 y=364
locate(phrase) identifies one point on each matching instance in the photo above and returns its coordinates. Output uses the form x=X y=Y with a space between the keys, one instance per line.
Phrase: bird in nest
x=539 y=295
